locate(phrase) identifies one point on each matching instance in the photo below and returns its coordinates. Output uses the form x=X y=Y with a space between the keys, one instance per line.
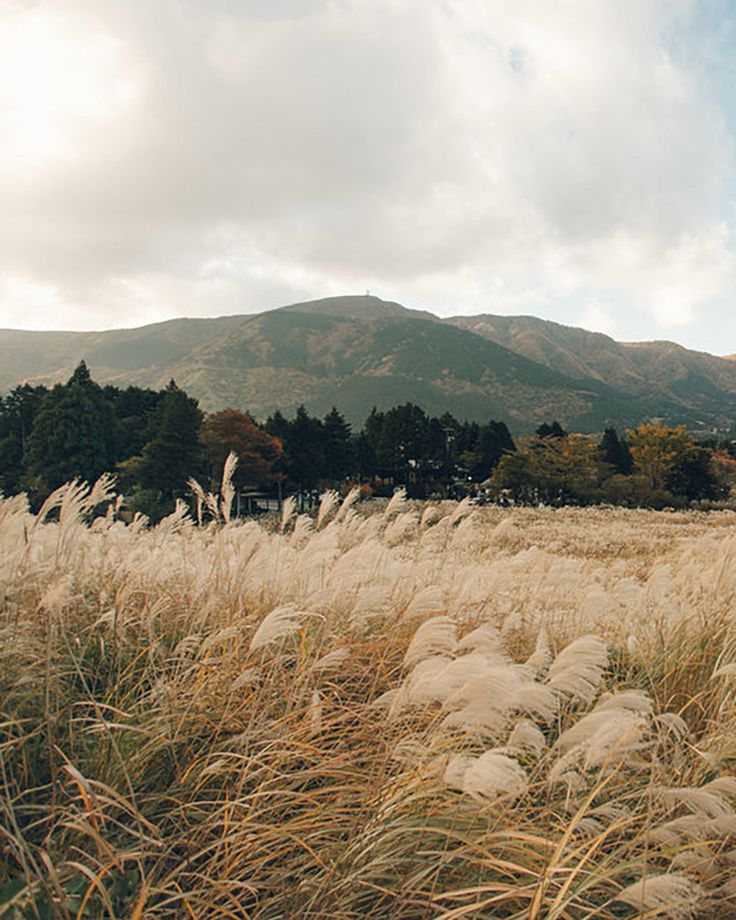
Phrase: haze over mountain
x=359 y=351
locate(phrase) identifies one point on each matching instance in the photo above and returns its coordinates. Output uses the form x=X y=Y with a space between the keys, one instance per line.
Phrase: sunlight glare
x=54 y=81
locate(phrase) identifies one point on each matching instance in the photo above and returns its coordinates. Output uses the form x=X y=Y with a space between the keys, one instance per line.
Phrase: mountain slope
x=26 y=355
x=695 y=386
x=356 y=352
x=284 y=357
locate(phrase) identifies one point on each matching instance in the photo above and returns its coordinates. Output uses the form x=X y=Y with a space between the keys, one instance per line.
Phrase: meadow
x=419 y=711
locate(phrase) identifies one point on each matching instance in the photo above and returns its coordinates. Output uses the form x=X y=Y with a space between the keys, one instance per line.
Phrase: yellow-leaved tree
x=657 y=450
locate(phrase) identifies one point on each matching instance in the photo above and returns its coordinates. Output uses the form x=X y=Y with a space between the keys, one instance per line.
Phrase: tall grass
x=424 y=712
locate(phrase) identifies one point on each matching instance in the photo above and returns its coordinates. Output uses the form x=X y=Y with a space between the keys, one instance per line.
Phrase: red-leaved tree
x=258 y=452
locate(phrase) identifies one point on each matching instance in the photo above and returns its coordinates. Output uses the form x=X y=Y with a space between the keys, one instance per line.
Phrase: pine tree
x=73 y=434
x=365 y=456
x=174 y=453
x=303 y=439
x=277 y=426
x=17 y=412
x=305 y=450
x=615 y=452
x=403 y=439
x=340 y=453
x=494 y=441
x=134 y=410
x=555 y=430
x=373 y=431
x=436 y=449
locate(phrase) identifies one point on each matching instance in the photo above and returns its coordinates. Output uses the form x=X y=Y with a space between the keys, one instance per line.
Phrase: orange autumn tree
x=258 y=452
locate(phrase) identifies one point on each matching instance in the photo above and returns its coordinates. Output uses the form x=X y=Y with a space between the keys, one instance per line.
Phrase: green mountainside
x=26 y=355
x=356 y=352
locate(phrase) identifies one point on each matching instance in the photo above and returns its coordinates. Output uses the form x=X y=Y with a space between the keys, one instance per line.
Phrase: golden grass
x=411 y=713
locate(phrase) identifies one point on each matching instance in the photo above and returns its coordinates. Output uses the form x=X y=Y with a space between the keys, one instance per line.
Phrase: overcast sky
x=572 y=159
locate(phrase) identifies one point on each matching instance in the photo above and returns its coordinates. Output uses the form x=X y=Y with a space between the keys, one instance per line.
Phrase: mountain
x=52 y=356
x=696 y=387
x=358 y=351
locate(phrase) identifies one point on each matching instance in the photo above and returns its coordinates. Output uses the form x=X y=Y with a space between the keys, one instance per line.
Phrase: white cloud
x=698 y=269
x=28 y=304
x=597 y=318
x=459 y=154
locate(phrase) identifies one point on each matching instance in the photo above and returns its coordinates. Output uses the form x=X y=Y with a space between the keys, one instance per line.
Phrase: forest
x=156 y=441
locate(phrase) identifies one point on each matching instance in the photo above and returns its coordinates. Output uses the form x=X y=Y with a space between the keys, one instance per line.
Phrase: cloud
x=458 y=154
x=597 y=318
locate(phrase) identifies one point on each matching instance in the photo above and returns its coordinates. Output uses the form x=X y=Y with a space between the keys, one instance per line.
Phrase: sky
x=569 y=159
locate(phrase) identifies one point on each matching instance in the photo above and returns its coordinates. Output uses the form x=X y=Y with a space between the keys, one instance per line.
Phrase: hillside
x=53 y=355
x=356 y=352
x=691 y=385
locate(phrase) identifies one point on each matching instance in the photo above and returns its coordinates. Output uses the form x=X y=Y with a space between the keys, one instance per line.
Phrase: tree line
x=155 y=440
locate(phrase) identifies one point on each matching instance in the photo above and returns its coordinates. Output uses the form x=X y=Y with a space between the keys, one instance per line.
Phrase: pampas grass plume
x=435 y=637
x=397 y=504
x=669 y=895
x=280 y=622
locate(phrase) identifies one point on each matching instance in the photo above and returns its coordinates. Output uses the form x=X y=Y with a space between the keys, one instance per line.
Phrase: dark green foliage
x=366 y=462
x=479 y=448
x=555 y=430
x=615 y=452
x=278 y=426
x=494 y=441
x=339 y=447
x=152 y=503
x=73 y=434
x=304 y=446
x=693 y=477
x=152 y=440
x=406 y=445
x=402 y=442
x=372 y=431
x=173 y=454
x=17 y=411
x=437 y=443
x=134 y=409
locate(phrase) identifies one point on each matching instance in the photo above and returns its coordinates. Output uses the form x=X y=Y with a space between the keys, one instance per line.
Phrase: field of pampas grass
x=421 y=712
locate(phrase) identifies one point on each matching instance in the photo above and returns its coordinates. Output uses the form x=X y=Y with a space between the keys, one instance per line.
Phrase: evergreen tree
x=365 y=456
x=437 y=447
x=493 y=442
x=615 y=452
x=693 y=476
x=555 y=430
x=304 y=446
x=17 y=412
x=73 y=434
x=278 y=426
x=134 y=410
x=467 y=438
x=373 y=429
x=403 y=439
x=173 y=454
x=339 y=447
x=487 y=445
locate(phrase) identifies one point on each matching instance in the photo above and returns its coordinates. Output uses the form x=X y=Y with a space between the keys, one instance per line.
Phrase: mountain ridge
x=357 y=351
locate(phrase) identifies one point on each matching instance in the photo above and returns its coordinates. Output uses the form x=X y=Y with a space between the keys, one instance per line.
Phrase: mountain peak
x=357 y=306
